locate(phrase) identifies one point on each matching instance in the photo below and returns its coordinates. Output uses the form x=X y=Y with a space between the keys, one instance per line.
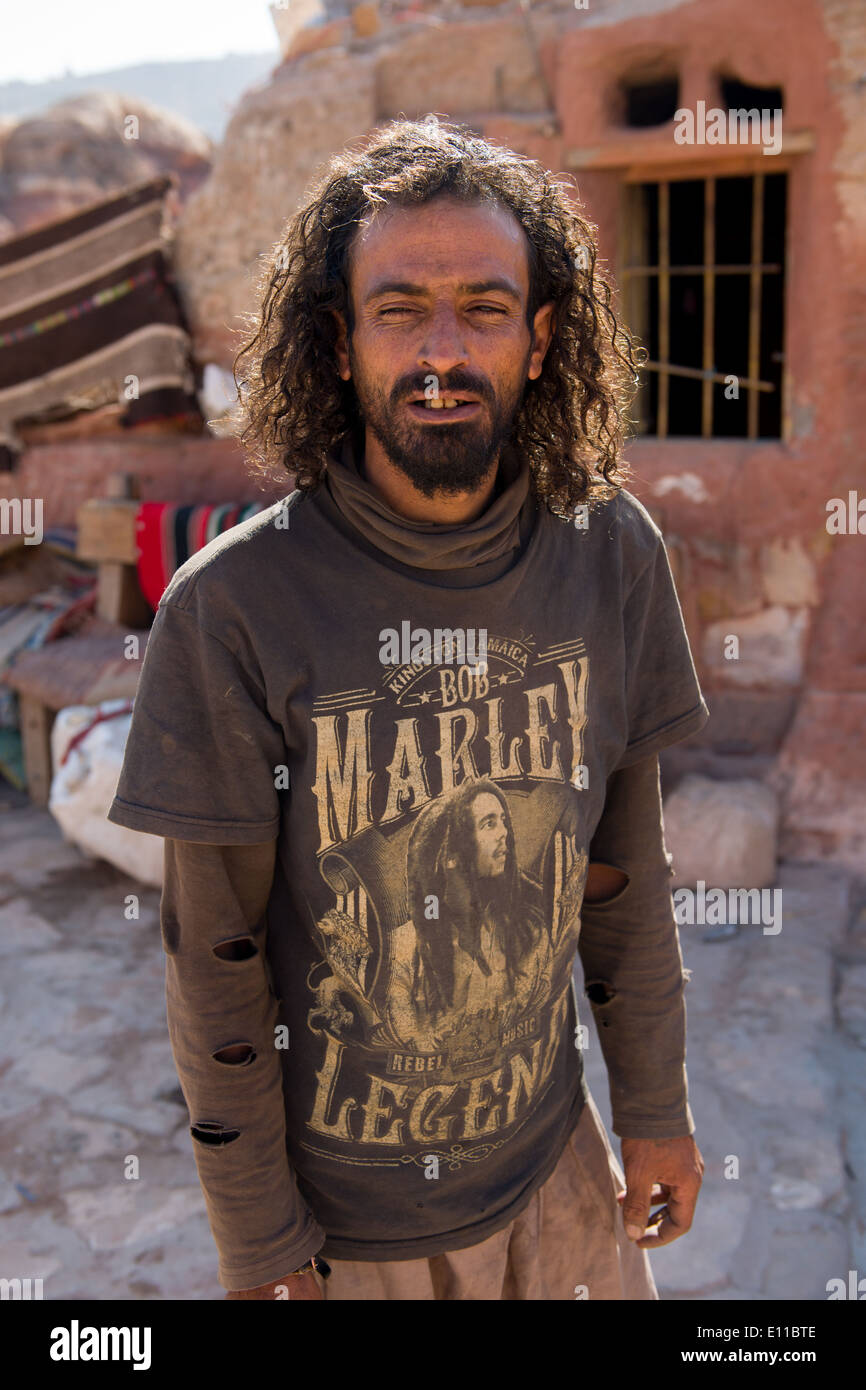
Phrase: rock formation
x=75 y=152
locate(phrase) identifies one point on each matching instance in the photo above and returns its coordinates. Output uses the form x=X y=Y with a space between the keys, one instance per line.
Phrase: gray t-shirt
x=433 y=762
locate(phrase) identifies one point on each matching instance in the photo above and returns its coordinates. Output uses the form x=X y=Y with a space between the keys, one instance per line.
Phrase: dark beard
x=444 y=459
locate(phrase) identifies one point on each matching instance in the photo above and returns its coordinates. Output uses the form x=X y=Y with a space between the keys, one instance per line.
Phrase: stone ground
x=777 y=1032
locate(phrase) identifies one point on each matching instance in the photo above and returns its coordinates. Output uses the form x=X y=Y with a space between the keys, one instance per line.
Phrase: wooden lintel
x=639 y=159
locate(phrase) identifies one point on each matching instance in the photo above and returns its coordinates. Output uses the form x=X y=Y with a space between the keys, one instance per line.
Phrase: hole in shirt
x=211 y=1132
x=236 y=1055
x=238 y=948
x=599 y=992
x=604 y=882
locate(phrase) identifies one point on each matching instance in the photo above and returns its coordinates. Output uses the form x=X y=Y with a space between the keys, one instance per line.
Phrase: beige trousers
x=568 y=1243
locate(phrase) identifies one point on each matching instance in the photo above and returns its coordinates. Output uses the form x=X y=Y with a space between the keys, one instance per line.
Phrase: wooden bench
x=107 y=538
x=79 y=670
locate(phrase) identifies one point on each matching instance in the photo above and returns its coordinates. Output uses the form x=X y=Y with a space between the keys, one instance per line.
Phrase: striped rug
x=89 y=315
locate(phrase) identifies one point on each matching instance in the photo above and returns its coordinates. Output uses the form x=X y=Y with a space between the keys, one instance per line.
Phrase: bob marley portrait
x=474 y=954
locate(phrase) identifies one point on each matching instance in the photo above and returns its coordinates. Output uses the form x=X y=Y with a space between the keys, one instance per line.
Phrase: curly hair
x=294 y=409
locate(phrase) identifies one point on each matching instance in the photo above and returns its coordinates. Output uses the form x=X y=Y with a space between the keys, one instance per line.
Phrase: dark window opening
x=650 y=103
x=738 y=96
x=704 y=287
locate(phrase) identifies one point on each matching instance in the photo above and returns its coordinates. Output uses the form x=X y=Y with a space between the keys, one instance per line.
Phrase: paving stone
x=802 y=1261
x=806 y=1169
x=768 y=1069
x=57 y=1072
x=702 y=1259
x=851 y=1003
x=31 y=861
x=33 y=1246
x=130 y=1212
x=785 y=979
x=816 y=902
x=22 y=931
x=10 y=1197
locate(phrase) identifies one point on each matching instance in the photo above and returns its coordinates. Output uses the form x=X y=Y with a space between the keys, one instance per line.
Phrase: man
x=437 y=364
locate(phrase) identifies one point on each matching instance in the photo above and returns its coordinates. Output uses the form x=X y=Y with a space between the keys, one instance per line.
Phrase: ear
x=341 y=347
x=543 y=326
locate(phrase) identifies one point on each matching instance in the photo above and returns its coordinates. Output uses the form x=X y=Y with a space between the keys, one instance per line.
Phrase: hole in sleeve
x=236 y=1055
x=604 y=884
x=238 y=948
x=170 y=928
x=212 y=1132
x=599 y=992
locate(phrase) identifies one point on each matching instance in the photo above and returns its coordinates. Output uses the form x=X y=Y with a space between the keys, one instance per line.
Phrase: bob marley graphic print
x=448 y=942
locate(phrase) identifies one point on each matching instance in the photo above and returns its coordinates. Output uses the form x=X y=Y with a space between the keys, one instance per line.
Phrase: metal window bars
x=636 y=276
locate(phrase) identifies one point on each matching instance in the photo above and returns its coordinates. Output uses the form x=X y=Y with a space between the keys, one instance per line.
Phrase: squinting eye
x=407 y=309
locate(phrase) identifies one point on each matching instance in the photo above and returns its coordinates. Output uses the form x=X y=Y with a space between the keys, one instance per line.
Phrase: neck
x=403 y=497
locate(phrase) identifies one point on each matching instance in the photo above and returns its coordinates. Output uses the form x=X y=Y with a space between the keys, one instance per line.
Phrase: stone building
x=741 y=257
x=739 y=245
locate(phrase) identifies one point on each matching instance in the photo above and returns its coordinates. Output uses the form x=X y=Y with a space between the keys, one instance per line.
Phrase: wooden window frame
x=646 y=158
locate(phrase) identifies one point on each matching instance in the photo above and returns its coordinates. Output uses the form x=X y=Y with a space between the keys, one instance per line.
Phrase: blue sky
x=46 y=38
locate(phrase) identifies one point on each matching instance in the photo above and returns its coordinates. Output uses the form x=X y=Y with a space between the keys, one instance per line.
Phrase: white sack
x=83 y=788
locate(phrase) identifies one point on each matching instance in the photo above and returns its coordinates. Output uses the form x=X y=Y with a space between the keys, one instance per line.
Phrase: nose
x=443 y=347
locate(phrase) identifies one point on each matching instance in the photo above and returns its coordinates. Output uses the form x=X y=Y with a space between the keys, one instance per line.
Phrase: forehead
x=485 y=804
x=440 y=243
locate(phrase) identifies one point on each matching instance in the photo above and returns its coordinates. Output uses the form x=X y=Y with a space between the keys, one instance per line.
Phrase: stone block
x=745 y=722
x=770 y=648
x=788 y=574
x=821 y=780
x=723 y=833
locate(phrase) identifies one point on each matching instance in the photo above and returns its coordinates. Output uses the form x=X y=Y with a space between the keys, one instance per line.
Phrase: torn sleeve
x=632 y=963
x=215 y=896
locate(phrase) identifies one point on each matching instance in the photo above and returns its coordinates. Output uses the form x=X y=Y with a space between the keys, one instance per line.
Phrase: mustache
x=452 y=386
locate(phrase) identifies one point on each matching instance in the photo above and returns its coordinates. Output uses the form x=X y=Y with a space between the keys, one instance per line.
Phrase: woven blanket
x=168 y=534
x=89 y=315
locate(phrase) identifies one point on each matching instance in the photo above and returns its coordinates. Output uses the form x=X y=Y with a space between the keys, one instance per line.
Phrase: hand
x=292 y=1286
x=660 y=1170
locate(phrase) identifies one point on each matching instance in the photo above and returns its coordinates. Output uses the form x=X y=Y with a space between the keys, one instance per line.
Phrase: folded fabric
x=89 y=302
x=169 y=534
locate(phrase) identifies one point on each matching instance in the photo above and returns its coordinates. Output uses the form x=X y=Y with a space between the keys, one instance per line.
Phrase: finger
x=676 y=1220
x=636 y=1207
x=658 y=1194
x=657 y=1218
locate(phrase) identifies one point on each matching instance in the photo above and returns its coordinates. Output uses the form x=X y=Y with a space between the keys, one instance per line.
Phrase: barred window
x=703 y=285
